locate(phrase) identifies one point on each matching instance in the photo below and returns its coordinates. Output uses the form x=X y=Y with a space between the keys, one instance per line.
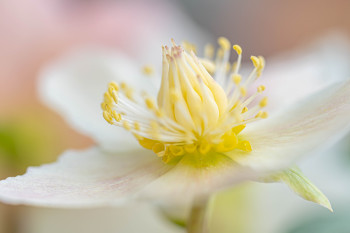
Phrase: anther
x=158 y=148
x=189 y=46
x=107 y=98
x=263 y=102
x=256 y=61
x=261 y=88
x=236 y=78
x=245 y=109
x=108 y=117
x=136 y=126
x=123 y=85
x=114 y=85
x=224 y=43
x=176 y=150
x=149 y=103
x=264 y=115
x=262 y=62
x=148 y=70
x=258 y=115
x=116 y=116
x=190 y=148
x=209 y=51
x=245 y=146
x=238 y=49
x=243 y=91
x=204 y=148
x=238 y=129
x=126 y=125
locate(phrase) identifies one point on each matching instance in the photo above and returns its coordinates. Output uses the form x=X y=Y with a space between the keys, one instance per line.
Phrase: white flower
x=204 y=133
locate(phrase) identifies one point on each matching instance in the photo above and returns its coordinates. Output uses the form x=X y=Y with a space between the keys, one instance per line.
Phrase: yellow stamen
x=202 y=105
x=224 y=43
x=261 y=88
x=243 y=91
x=236 y=78
x=148 y=70
x=238 y=49
x=256 y=61
x=263 y=102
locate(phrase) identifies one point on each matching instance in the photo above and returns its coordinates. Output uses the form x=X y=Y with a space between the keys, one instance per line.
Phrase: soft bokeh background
x=305 y=39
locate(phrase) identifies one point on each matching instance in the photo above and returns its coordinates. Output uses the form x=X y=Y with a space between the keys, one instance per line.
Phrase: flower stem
x=198 y=220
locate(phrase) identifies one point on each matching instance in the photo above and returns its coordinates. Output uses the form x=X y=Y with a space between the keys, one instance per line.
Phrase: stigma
x=202 y=105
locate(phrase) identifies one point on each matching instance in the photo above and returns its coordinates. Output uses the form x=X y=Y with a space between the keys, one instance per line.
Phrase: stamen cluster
x=202 y=104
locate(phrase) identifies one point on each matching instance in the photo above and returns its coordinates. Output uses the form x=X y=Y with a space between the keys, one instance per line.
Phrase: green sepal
x=301 y=185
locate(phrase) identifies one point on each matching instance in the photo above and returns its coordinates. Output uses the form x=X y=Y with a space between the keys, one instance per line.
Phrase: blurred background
x=304 y=41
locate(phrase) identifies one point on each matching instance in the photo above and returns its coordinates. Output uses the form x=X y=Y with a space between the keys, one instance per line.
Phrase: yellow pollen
x=224 y=43
x=114 y=85
x=202 y=106
x=209 y=51
x=159 y=113
x=243 y=91
x=107 y=98
x=264 y=115
x=158 y=148
x=237 y=78
x=261 y=62
x=204 y=148
x=220 y=53
x=261 y=88
x=259 y=114
x=209 y=65
x=176 y=150
x=238 y=49
x=148 y=70
x=263 y=102
x=190 y=148
x=136 y=126
x=108 y=117
x=149 y=103
x=116 y=116
x=189 y=46
x=245 y=146
x=236 y=130
x=256 y=61
x=123 y=85
x=126 y=125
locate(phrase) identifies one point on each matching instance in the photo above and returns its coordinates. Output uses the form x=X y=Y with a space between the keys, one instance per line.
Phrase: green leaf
x=302 y=186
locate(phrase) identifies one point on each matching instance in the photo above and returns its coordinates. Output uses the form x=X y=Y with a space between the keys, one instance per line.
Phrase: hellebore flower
x=205 y=131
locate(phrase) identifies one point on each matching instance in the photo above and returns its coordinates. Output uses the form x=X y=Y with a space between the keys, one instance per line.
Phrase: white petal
x=84 y=179
x=194 y=178
x=91 y=178
x=75 y=85
x=293 y=75
x=317 y=121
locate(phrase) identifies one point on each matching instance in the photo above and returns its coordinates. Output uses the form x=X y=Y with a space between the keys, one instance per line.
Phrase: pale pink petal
x=84 y=179
x=94 y=178
x=75 y=85
x=311 y=124
x=196 y=177
x=293 y=75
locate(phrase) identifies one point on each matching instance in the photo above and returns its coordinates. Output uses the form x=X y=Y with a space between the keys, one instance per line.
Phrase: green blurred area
x=26 y=140
x=232 y=210
x=338 y=222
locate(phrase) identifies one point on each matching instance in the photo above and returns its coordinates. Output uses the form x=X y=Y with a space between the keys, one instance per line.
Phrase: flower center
x=201 y=107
